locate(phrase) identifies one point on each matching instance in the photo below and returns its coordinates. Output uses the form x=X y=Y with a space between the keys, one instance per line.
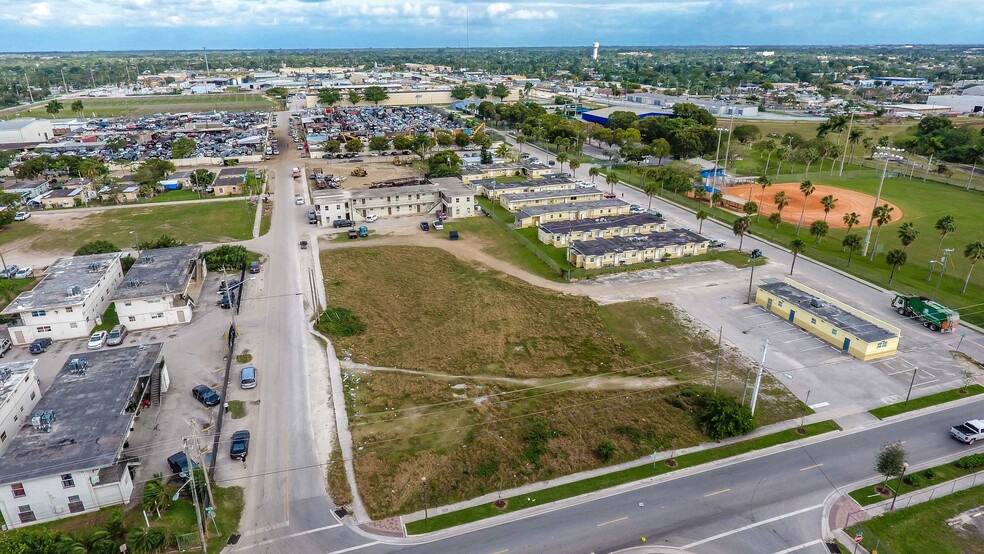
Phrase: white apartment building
x=19 y=393
x=446 y=194
x=67 y=458
x=68 y=301
x=161 y=288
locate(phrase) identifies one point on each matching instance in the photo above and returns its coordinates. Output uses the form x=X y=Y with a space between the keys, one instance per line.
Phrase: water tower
x=594 y=53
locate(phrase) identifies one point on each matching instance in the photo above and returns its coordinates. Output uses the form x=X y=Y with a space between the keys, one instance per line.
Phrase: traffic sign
x=858 y=537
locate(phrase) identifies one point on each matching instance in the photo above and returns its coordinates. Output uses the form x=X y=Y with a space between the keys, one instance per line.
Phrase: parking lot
x=332 y=124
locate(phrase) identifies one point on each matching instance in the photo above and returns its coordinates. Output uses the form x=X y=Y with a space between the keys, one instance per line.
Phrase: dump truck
x=932 y=314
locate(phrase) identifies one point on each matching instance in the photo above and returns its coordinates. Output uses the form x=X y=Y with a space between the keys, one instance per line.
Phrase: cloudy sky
x=27 y=25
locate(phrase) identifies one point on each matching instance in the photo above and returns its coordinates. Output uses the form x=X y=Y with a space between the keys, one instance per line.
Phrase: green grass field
x=192 y=223
x=19 y=230
x=148 y=105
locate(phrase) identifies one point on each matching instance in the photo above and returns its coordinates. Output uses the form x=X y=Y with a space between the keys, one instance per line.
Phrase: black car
x=254 y=267
x=206 y=396
x=178 y=463
x=240 y=445
x=40 y=345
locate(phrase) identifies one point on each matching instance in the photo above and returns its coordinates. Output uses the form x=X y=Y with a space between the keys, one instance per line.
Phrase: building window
x=132 y=318
x=156 y=316
x=69 y=310
x=39 y=313
x=75 y=504
x=18 y=490
x=73 y=325
x=44 y=329
x=833 y=332
x=3 y=436
x=813 y=320
x=128 y=303
x=780 y=303
x=882 y=344
x=33 y=394
x=67 y=481
x=26 y=514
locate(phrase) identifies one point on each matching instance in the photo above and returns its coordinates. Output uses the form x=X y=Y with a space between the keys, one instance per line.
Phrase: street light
x=424 y=480
x=905 y=466
x=64 y=84
x=751 y=278
x=888 y=154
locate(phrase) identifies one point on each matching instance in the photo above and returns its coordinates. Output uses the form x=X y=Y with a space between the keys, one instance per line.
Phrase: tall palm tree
x=716 y=197
x=650 y=188
x=856 y=136
x=895 y=258
x=819 y=229
x=808 y=156
x=770 y=147
x=53 y=107
x=973 y=252
x=883 y=216
x=774 y=219
x=780 y=200
x=78 y=107
x=561 y=158
x=782 y=154
x=700 y=193
x=807 y=188
x=829 y=203
x=740 y=227
x=701 y=215
x=574 y=164
x=945 y=225
x=750 y=208
x=593 y=172
x=611 y=179
x=797 y=247
x=852 y=243
x=521 y=140
x=765 y=183
x=851 y=220
x=908 y=234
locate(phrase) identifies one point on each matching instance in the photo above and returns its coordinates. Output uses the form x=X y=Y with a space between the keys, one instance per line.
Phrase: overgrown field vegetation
x=494 y=383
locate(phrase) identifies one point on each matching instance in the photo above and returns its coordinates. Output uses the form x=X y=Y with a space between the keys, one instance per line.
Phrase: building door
x=792 y=315
x=181 y=316
x=19 y=337
x=847 y=344
x=389 y=211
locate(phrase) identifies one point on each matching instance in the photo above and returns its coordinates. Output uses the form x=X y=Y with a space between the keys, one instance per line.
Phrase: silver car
x=116 y=335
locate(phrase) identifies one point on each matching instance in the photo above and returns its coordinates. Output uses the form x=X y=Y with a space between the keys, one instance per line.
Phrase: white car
x=371 y=218
x=24 y=273
x=299 y=200
x=21 y=216
x=97 y=340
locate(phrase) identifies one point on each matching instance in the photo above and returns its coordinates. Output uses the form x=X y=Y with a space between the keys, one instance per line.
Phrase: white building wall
x=39 y=130
x=19 y=407
x=147 y=313
x=48 y=497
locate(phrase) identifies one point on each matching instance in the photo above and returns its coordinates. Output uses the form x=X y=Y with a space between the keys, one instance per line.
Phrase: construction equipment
x=359 y=172
x=476 y=130
x=932 y=314
x=396 y=160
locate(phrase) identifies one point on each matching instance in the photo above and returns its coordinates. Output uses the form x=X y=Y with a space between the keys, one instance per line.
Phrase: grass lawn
x=237 y=409
x=109 y=319
x=926 y=401
x=149 y=105
x=923 y=528
x=193 y=223
x=515 y=384
x=266 y=218
x=931 y=477
x=19 y=230
x=638 y=473
x=172 y=196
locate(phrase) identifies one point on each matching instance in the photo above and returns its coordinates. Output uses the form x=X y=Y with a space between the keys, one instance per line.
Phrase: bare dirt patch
x=847 y=201
x=376 y=171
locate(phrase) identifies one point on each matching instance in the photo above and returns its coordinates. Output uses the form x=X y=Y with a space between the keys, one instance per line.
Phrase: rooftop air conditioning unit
x=42 y=420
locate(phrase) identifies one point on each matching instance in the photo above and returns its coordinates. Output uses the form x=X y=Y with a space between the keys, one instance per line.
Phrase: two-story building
x=161 y=287
x=68 y=456
x=619 y=251
x=491 y=188
x=559 y=233
x=19 y=393
x=68 y=301
x=526 y=168
x=536 y=215
x=447 y=194
x=518 y=200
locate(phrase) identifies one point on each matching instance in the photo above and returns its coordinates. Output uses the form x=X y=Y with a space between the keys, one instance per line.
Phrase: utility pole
x=758 y=376
x=731 y=128
x=30 y=93
x=751 y=279
x=717 y=156
x=64 y=84
x=915 y=370
x=844 y=154
x=717 y=363
x=194 y=496
x=971 y=178
x=210 y=509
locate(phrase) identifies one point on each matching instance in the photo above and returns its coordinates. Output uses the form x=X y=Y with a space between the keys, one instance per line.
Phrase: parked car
x=717 y=243
x=40 y=345
x=453 y=235
x=609 y=195
x=304 y=244
x=116 y=335
x=206 y=396
x=239 y=447
x=636 y=209
x=178 y=463
x=968 y=432
x=371 y=218
x=9 y=271
x=339 y=223
x=231 y=284
x=299 y=200
x=254 y=267
x=353 y=234
x=439 y=225
x=97 y=340
x=24 y=273
x=247 y=377
x=5 y=345
x=21 y=216
x=424 y=226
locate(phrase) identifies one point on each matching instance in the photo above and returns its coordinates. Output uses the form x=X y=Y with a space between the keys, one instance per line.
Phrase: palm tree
x=797 y=247
x=945 y=225
x=780 y=200
x=700 y=193
x=593 y=172
x=882 y=215
x=852 y=243
x=610 y=179
x=770 y=147
x=750 y=208
x=782 y=154
x=808 y=156
x=54 y=107
x=973 y=252
x=829 y=203
x=763 y=182
x=819 y=229
x=851 y=220
x=574 y=164
x=774 y=219
x=701 y=215
x=807 y=188
x=78 y=107
x=561 y=158
x=853 y=138
x=895 y=258
x=521 y=140
x=155 y=496
x=716 y=197
x=908 y=234
x=650 y=188
x=740 y=227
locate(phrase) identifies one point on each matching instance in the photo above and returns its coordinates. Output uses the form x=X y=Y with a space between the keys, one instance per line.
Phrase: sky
x=59 y=25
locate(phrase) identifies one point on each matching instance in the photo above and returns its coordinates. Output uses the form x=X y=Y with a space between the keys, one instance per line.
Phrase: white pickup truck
x=968 y=432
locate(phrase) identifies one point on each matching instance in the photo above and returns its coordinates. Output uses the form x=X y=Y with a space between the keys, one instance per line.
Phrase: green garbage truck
x=932 y=314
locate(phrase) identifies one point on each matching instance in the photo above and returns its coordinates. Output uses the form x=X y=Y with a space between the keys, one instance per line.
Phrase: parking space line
x=759 y=314
x=900 y=371
x=925 y=382
x=797 y=340
x=359 y=547
x=819 y=405
x=817 y=347
x=799 y=547
x=811 y=467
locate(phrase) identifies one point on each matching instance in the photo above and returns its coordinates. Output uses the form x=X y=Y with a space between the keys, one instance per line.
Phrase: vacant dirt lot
x=377 y=171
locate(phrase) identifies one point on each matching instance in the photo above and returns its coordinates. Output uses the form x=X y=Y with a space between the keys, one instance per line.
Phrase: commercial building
x=447 y=194
x=847 y=328
x=161 y=287
x=537 y=215
x=19 y=393
x=518 y=200
x=68 y=302
x=715 y=108
x=490 y=188
x=600 y=116
x=962 y=103
x=25 y=132
x=67 y=458
x=619 y=251
x=471 y=173
x=916 y=109
x=559 y=233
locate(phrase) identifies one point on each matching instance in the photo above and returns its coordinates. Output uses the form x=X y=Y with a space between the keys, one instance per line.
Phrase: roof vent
x=42 y=420
x=132 y=283
x=74 y=290
x=94 y=267
x=4 y=374
x=816 y=303
x=77 y=366
x=146 y=259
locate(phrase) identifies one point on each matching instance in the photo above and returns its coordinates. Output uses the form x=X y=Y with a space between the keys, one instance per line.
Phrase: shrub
x=915 y=480
x=226 y=257
x=929 y=473
x=340 y=322
x=96 y=247
x=723 y=416
x=607 y=450
x=973 y=461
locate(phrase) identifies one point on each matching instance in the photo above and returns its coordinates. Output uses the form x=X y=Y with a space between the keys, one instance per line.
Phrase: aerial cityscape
x=643 y=277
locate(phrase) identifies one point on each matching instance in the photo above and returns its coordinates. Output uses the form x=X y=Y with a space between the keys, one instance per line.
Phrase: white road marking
x=901 y=371
x=613 y=521
x=751 y=526
x=816 y=347
x=811 y=467
x=799 y=547
x=292 y=535
x=501 y=551
x=718 y=492
x=359 y=547
x=819 y=405
x=925 y=382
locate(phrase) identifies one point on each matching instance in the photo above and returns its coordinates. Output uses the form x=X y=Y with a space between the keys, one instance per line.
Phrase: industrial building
x=161 y=287
x=68 y=302
x=447 y=194
x=960 y=103
x=560 y=233
x=518 y=200
x=69 y=458
x=622 y=250
x=845 y=327
x=25 y=132
x=537 y=215
x=718 y=109
x=600 y=116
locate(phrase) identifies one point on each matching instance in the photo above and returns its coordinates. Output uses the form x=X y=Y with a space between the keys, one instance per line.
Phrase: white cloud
x=532 y=15
x=498 y=8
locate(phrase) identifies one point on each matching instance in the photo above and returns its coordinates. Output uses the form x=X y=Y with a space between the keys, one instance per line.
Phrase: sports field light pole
x=943 y=259
x=888 y=154
x=717 y=156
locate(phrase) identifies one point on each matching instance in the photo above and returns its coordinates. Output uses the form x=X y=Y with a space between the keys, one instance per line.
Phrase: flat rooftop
x=564 y=227
x=11 y=375
x=600 y=247
x=835 y=315
x=91 y=417
x=230 y=171
x=395 y=191
x=550 y=193
x=546 y=180
x=54 y=291
x=478 y=169
x=17 y=123
x=158 y=272
x=570 y=207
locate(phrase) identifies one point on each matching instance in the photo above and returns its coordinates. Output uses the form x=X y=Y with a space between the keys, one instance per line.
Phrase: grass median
x=926 y=401
x=609 y=480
